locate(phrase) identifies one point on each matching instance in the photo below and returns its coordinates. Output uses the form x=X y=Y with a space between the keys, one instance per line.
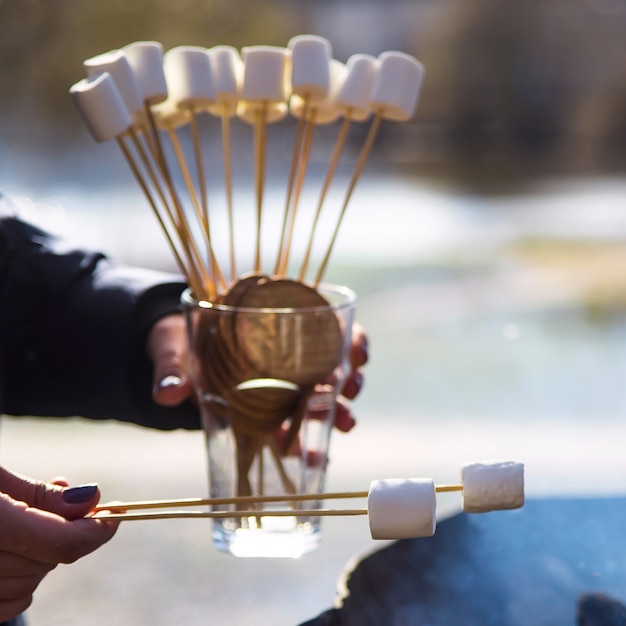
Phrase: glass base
x=275 y=537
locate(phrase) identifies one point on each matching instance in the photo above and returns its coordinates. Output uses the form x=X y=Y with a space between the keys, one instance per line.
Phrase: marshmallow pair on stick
x=406 y=508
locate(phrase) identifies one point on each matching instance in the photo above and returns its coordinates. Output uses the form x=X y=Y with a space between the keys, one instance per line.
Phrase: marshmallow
x=396 y=86
x=101 y=106
x=492 y=486
x=402 y=508
x=227 y=71
x=353 y=98
x=188 y=76
x=265 y=74
x=310 y=69
x=325 y=111
x=146 y=61
x=115 y=63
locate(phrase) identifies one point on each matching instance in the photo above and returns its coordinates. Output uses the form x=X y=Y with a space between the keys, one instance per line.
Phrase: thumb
x=68 y=502
x=167 y=347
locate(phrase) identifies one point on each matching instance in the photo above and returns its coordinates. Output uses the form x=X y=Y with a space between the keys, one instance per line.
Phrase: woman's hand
x=41 y=525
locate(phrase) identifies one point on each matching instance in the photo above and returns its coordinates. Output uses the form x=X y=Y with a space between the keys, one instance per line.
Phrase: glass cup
x=267 y=372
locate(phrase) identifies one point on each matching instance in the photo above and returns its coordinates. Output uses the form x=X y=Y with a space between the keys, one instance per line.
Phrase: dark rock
x=598 y=609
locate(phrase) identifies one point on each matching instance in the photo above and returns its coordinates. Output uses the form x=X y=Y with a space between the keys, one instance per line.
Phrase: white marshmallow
x=101 y=106
x=492 y=486
x=189 y=77
x=402 y=508
x=146 y=61
x=353 y=98
x=266 y=74
x=115 y=63
x=396 y=86
x=325 y=111
x=227 y=71
x=310 y=66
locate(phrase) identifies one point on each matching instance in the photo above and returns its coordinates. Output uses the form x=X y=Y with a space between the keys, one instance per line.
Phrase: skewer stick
x=200 y=170
x=250 y=500
x=228 y=514
x=330 y=174
x=228 y=184
x=302 y=168
x=365 y=150
x=260 y=132
x=143 y=155
x=196 y=266
x=194 y=278
x=202 y=218
x=295 y=157
x=204 y=200
x=146 y=190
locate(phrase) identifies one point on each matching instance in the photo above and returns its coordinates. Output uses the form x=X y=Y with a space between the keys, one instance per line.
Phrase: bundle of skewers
x=142 y=98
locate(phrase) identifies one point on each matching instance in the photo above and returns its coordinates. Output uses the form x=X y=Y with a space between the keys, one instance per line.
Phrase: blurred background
x=485 y=240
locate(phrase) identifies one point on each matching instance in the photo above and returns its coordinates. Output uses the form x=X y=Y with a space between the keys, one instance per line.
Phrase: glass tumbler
x=267 y=369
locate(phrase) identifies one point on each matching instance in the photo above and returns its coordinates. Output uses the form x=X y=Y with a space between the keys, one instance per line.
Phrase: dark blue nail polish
x=80 y=494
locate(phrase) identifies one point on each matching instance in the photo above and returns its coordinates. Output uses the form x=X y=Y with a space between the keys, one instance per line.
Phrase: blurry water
x=459 y=328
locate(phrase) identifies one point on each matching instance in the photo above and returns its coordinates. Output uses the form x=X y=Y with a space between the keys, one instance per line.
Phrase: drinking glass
x=267 y=375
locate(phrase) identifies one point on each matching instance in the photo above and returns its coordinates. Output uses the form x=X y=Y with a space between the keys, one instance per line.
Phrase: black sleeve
x=73 y=327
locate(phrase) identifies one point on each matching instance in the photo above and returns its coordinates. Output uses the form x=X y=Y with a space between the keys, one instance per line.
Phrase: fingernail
x=169 y=381
x=80 y=494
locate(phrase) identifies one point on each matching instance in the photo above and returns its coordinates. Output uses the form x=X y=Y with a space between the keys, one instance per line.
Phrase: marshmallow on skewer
x=189 y=78
x=396 y=86
x=323 y=111
x=310 y=66
x=146 y=61
x=266 y=85
x=402 y=508
x=353 y=98
x=115 y=63
x=227 y=71
x=101 y=106
x=492 y=486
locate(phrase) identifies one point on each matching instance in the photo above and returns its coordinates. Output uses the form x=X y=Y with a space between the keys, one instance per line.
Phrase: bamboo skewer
x=249 y=500
x=228 y=184
x=260 y=139
x=228 y=514
x=302 y=168
x=365 y=150
x=142 y=183
x=330 y=174
x=297 y=147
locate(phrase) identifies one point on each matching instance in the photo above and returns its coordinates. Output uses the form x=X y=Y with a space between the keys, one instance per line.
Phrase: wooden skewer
x=145 y=189
x=302 y=168
x=330 y=174
x=260 y=138
x=228 y=514
x=365 y=150
x=202 y=217
x=293 y=497
x=295 y=157
x=228 y=184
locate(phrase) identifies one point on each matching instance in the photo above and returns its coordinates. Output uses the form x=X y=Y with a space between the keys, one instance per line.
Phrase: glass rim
x=349 y=298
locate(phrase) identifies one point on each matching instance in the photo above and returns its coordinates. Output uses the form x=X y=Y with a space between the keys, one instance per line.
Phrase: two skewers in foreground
x=399 y=508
